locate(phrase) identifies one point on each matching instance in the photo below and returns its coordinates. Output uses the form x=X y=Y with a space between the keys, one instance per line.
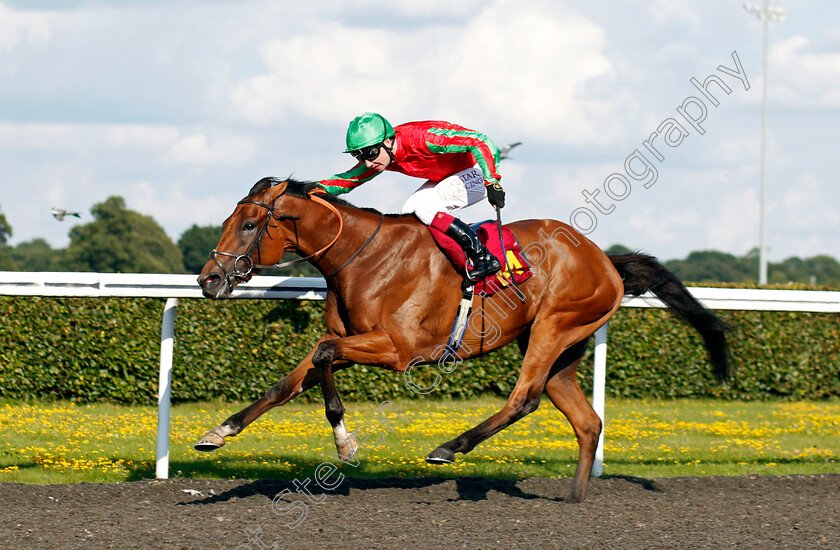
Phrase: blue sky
x=180 y=106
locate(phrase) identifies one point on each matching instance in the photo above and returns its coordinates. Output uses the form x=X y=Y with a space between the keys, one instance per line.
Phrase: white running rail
x=173 y=287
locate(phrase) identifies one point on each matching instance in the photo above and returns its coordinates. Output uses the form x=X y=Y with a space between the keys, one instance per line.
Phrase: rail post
x=167 y=344
x=599 y=384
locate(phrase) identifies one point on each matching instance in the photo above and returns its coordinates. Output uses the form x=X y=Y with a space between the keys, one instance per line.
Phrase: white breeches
x=455 y=192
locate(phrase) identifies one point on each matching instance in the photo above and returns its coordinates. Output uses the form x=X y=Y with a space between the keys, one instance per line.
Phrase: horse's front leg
x=302 y=377
x=375 y=348
x=345 y=443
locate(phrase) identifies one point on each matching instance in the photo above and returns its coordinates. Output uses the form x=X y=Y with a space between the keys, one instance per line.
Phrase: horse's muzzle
x=214 y=285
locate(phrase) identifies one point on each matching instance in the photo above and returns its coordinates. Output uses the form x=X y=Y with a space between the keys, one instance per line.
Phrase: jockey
x=458 y=164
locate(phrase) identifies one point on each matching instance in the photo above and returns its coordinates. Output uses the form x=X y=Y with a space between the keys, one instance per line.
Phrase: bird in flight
x=504 y=151
x=60 y=213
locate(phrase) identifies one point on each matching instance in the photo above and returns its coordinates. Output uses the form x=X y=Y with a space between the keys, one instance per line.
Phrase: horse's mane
x=302 y=189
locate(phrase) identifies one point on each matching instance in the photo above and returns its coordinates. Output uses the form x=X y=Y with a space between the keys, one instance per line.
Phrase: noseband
x=244 y=267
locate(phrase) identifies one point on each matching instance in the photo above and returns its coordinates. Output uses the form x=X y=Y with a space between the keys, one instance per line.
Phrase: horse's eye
x=249 y=226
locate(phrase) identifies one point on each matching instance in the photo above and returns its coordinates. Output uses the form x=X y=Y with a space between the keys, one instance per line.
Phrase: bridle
x=243 y=265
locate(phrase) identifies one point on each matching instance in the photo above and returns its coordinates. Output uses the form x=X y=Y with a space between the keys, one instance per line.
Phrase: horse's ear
x=278 y=189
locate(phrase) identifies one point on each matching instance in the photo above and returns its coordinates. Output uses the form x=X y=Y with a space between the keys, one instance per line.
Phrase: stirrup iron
x=462 y=319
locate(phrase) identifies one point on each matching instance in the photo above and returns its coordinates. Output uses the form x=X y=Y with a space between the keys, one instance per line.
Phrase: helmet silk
x=366 y=130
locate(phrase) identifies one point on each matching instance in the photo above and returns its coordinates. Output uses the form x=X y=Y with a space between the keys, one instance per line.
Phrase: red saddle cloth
x=488 y=234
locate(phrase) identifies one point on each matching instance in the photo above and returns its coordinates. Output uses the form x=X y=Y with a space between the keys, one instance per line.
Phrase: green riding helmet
x=366 y=130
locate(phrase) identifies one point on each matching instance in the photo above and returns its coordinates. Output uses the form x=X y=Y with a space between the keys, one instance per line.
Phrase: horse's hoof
x=441 y=455
x=210 y=442
x=348 y=449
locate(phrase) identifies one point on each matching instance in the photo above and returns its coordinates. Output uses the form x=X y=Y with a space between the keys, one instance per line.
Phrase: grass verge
x=68 y=443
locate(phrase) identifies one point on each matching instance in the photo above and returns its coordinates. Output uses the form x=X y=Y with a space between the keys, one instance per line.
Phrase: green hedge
x=87 y=349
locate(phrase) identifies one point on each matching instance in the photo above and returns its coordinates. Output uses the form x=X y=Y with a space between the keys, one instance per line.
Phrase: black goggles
x=367 y=153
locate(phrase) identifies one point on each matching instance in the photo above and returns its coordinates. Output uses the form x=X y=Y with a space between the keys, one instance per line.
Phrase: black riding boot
x=484 y=263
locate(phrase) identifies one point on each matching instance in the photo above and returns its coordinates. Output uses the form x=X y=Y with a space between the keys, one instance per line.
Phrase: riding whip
x=505 y=267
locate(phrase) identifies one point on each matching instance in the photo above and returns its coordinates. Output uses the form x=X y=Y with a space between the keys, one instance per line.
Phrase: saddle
x=514 y=269
x=514 y=265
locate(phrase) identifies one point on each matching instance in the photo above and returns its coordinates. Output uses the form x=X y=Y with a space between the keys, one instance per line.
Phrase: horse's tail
x=642 y=273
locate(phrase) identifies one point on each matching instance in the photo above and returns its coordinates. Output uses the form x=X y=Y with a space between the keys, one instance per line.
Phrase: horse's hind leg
x=546 y=343
x=563 y=390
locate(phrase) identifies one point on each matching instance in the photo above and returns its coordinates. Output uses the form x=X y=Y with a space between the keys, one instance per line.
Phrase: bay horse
x=392 y=296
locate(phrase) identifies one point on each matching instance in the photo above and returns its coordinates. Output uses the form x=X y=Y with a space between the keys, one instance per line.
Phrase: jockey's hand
x=496 y=195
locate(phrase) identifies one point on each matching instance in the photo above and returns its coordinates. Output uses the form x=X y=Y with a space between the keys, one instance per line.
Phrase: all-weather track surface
x=620 y=512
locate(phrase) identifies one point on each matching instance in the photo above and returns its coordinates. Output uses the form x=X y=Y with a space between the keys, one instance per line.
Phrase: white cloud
x=165 y=142
x=224 y=149
x=440 y=9
x=736 y=150
x=534 y=72
x=675 y=10
x=528 y=68
x=36 y=136
x=139 y=99
x=806 y=205
x=733 y=226
x=653 y=229
x=84 y=137
x=141 y=136
x=316 y=74
x=24 y=26
x=167 y=206
x=800 y=75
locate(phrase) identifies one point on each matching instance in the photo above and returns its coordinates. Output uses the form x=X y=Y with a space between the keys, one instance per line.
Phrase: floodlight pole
x=765 y=14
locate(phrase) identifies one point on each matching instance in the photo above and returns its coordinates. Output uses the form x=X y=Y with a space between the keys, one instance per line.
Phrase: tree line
x=119 y=240
x=712 y=266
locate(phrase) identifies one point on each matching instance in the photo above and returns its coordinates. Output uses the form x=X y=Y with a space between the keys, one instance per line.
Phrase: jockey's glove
x=496 y=195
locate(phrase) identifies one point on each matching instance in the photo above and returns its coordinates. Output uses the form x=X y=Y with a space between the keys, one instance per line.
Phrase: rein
x=247 y=264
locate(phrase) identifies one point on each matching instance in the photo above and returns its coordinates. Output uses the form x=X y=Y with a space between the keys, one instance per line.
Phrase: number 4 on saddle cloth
x=515 y=265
